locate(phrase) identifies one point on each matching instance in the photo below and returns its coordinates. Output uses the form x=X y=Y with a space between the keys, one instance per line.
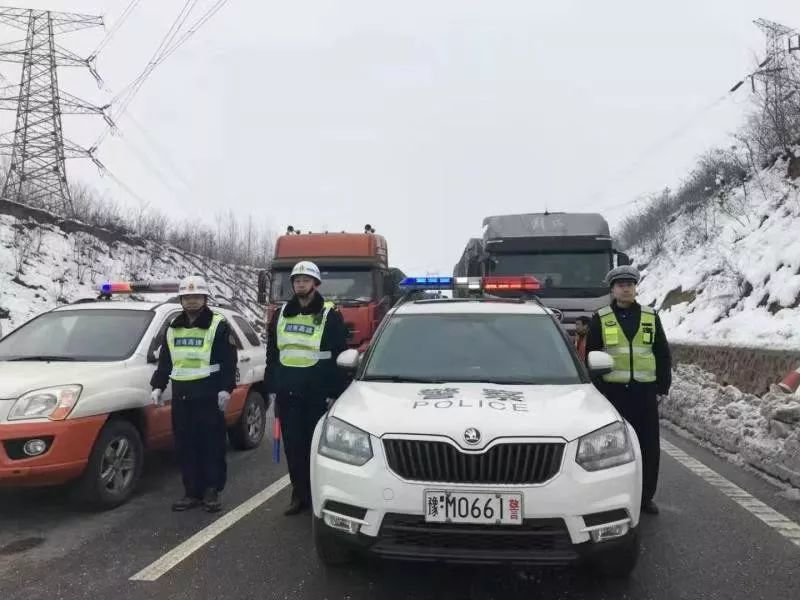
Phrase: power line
x=115 y=28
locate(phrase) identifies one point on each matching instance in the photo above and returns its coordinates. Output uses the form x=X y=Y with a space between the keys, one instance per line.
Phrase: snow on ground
x=57 y=268
x=741 y=285
x=763 y=433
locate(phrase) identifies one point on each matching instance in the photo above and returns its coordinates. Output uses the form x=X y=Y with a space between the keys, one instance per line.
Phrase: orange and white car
x=75 y=395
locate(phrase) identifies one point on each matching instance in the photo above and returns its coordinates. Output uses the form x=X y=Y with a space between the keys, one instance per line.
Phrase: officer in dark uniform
x=634 y=337
x=304 y=339
x=199 y=356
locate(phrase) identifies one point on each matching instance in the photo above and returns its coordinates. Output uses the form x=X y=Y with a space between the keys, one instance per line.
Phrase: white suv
x=472 y=433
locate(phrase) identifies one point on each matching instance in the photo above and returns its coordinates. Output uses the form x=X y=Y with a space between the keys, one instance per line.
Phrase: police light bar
x=494 y=283
x=138 y=287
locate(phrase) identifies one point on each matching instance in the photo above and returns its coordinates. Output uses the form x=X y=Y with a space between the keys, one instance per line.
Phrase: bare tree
x=22 y=247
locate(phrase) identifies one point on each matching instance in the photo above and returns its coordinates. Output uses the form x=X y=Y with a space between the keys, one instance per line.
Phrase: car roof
x=469 y=306
x=136 y=305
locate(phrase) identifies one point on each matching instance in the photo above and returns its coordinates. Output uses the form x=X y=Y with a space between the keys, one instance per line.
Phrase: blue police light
x=427 y=283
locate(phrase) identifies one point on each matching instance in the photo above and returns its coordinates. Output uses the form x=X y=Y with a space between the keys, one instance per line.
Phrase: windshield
x=336 y=285
x=558 y=272
x=523 y=349
x=78 y=335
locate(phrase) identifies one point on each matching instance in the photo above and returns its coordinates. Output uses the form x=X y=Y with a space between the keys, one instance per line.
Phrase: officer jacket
x=223 y=353
x=324 y=379
x=629 y=319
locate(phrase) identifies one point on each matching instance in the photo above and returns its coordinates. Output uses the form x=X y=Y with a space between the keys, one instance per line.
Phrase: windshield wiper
x=42 y=357
x=399 y=379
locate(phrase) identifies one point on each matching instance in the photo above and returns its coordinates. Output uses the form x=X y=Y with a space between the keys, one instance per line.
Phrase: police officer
x=199 y=357
x=632 y=334
x=304 y=339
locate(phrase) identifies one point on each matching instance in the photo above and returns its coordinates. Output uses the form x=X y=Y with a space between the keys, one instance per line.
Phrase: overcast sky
x=419 y=117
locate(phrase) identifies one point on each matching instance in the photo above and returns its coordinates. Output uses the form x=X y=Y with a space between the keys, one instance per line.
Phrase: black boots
x=212 y=501
x=185 y=503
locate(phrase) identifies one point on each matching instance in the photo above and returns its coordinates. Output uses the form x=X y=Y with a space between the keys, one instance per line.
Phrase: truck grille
x=517 y=463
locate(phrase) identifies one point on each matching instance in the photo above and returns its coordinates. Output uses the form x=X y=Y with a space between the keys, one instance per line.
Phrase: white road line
x=786 y=527
x=202 y=537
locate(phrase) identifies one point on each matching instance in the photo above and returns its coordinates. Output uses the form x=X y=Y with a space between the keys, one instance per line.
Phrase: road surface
x=708 y=542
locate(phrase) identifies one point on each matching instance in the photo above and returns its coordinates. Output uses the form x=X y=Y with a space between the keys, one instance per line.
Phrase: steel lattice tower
x=37 y=172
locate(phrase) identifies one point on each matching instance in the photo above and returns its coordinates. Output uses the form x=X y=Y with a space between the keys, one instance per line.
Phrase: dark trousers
x=299 y=416
x=638 y=404
x=198 y=427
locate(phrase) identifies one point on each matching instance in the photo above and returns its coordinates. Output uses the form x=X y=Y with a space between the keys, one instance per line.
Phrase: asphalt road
x=702 y=545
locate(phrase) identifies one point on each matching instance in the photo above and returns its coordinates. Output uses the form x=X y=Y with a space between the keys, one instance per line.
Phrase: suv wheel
x=248 y=431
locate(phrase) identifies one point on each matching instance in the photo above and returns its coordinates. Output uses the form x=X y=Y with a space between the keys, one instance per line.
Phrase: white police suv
x=471 y=433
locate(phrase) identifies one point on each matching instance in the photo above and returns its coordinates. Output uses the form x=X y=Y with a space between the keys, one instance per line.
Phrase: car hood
x=17 y=378
x=563 y=411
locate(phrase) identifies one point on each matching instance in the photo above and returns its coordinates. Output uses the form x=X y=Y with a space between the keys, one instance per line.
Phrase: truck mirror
x=623 y=259
x=262 y=287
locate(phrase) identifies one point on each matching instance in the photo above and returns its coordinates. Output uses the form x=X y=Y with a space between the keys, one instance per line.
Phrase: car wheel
x=330 y=551
x=248 y=431
x=115 y=465
x=621 y=562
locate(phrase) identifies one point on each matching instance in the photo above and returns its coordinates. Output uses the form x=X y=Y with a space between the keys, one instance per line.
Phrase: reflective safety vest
x=190 y=349
x=300 y=338
x=633 y=360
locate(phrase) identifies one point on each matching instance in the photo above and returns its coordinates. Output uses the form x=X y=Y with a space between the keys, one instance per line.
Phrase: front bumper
x=69 y=445
x=557 y=514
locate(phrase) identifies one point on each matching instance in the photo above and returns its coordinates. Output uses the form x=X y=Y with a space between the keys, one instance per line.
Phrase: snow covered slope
x=729 y=273
x=45 y=262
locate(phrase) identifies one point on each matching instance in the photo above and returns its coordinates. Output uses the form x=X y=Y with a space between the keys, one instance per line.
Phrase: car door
x=252 y=354
x=159 y=419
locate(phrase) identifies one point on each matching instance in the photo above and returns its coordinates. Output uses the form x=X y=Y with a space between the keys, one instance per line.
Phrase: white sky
x=419 y=117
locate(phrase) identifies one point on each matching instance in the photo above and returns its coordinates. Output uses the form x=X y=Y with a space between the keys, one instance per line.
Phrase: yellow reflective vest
x=190 y=349
x=633 y=360
x=300 y=338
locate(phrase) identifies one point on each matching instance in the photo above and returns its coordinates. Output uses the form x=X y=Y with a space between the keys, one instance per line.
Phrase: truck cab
x=355 y=276
x=569 y=254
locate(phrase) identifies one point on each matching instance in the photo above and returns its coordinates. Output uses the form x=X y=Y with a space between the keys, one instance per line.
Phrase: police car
x=75 y=389
x=471 y=433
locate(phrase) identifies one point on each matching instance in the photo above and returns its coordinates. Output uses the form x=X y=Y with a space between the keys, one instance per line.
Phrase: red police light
x=524 y=283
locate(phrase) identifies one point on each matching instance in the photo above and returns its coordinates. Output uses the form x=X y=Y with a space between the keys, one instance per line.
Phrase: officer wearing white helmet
x=632 y=334
x=199 y=359
x=303 y=341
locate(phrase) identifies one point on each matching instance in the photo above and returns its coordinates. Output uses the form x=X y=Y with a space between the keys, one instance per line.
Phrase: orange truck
x=355 y=275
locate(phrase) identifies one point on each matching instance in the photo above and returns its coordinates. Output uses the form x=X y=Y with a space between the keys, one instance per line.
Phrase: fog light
x=341 y=523
x=610 y=532
x=34 y=447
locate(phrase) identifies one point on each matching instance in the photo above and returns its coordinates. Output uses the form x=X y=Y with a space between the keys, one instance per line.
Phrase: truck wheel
x=248 y=431
x=621 y=563
x=330 y=551
x=115 y=465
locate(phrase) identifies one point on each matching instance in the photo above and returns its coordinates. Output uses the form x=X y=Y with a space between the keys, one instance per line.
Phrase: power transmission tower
x=37 y=172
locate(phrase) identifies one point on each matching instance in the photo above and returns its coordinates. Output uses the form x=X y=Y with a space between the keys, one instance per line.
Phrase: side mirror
x=623 y=259
x=600 y=363
x=349 y=359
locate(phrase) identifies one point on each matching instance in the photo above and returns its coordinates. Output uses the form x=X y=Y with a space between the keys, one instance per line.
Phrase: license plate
x=487 y=508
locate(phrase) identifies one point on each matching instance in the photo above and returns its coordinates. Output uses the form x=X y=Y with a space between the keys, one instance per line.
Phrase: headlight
x=54 y=403
x=341 y=441
x=605 y=448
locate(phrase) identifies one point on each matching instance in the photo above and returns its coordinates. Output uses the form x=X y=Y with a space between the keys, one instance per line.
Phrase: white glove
x=329 y=402
x=222 y=400
x=272 y=398
x=156 y=397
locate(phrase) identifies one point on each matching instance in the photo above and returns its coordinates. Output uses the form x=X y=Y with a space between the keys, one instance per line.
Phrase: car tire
x=331 y=552
x=249 y=430
x=114 y=467
x=622 y=561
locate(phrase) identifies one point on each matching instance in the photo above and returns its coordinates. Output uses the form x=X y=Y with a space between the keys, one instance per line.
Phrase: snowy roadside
x=759 y=432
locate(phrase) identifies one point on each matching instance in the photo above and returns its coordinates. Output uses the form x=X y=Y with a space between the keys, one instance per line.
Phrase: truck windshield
x=337 y=285
x=558 y=271
x=77 y=336
x=524 y=349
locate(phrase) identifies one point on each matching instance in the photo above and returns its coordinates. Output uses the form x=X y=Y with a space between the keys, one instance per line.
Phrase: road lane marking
x=202 y=537
x=786 y=527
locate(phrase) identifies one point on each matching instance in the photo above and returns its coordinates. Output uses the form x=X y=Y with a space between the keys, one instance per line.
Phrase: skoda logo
x=472 y=436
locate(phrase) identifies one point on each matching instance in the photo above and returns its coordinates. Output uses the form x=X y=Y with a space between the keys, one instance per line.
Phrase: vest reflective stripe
x=634 y=360
x=190 y=349
x=300 y=338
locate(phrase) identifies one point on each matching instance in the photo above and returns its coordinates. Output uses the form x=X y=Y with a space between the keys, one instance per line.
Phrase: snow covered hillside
x=45 y=262
x=728 y=273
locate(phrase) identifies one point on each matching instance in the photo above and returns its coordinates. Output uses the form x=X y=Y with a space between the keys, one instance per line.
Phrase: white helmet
x=305 y=267
x=193 y=285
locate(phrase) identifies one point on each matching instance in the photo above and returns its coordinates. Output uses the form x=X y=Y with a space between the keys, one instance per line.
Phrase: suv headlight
x=341 y=441
x=605 y=448
x=54 y=403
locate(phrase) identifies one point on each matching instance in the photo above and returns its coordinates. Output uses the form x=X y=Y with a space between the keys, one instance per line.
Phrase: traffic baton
x=276 y=440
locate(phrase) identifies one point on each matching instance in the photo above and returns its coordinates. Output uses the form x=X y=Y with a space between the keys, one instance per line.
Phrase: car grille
x=517 y=463
x=536 y=540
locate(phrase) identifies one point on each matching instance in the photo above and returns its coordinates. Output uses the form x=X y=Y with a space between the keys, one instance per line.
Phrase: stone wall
x=752 y=370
